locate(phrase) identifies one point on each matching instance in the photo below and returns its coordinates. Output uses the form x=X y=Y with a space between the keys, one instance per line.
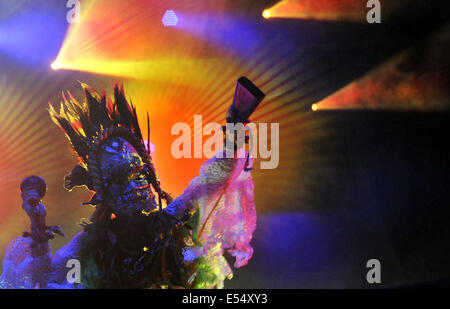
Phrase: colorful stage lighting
x=174 y=83
x=342 y=10
x=55 y=65
x=170 y=19
x=401 y=82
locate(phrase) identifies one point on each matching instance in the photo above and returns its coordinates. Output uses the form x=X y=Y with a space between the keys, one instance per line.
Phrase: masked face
x=124 y=178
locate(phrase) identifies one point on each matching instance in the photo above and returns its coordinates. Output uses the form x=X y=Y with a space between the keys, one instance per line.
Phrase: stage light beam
x=55 y=65
x=266 y=14
x=332 y=10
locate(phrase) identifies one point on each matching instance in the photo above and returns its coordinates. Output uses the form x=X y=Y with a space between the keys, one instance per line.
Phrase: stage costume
x=132 y=240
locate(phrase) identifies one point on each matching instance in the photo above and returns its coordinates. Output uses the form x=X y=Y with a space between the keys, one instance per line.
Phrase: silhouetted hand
x=34 y=209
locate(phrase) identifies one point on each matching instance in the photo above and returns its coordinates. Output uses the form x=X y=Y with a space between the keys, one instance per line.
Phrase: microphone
x=37 y=184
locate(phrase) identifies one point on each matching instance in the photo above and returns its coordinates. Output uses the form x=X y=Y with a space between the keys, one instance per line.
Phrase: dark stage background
x=387 y=198
x=365 y=176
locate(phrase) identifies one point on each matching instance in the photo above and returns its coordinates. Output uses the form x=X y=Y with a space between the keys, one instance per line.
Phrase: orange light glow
x=343 y=10
x=390 y=87
x=319 y=9
x=172 y=83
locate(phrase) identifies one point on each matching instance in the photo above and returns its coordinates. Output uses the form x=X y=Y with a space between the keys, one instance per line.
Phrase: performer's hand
x=32 y=203
x=232 y=116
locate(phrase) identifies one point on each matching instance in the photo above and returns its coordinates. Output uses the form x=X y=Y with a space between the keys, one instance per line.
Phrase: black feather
x=96 y=114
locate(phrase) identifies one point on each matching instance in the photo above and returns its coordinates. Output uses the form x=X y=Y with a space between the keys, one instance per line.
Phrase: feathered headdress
x=89 y=124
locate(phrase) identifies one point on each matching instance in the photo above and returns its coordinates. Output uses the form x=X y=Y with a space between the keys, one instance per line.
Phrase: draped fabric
x=222 y=199
x=223 y=219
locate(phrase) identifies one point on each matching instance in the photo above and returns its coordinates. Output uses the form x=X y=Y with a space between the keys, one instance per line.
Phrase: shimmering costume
x=131 y=240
